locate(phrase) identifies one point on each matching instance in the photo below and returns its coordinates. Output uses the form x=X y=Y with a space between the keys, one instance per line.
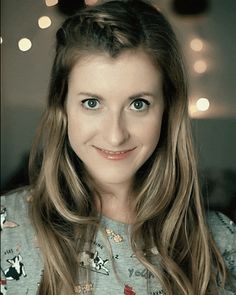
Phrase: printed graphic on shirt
x=141 y=273
x=4 y=222
x=129 y=290
x=94 y=262
x=158 y=292
x=83 y=288
x=114 y=236
x=229 y=258
x=3 y=284
x=16 y=269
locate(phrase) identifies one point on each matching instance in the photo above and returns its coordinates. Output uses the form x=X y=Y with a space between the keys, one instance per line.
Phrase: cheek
x=71 y=136
x=79 y=131
x=74 y=131
x=151 y=133
x=152 y=138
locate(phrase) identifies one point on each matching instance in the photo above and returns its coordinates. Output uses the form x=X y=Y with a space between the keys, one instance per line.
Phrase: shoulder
x=221 y=226
x=21 y=263
x=218 y=220
x=223 y=231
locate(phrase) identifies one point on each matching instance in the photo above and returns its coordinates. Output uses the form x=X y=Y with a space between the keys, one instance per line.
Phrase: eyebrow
x=132 y=97
x=90 y=94
x=140 y=94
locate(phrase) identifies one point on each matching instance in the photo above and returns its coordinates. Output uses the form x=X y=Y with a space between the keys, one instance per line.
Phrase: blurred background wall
x=206 y=30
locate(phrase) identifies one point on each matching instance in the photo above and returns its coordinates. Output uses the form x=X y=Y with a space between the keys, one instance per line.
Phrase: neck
x=116 y=202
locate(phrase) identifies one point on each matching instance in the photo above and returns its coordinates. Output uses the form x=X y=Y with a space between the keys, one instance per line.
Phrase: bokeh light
x=51 y=2
x=24 y=44
x=192 y=109
x=1 y=40
x=196 y=44
x=44 y=22
x=202 y=104
x=200 y=66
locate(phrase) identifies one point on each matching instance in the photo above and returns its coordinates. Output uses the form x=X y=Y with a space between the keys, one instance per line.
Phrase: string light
x=44 y=22
x=200 y=66
x=24 y=44
x=202 y=104
x=196 y=44
x=51 y=2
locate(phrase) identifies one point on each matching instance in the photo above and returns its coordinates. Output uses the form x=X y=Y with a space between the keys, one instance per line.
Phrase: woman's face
x=114 y=108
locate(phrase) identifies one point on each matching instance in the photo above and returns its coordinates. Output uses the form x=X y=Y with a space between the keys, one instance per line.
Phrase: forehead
x=130 y=70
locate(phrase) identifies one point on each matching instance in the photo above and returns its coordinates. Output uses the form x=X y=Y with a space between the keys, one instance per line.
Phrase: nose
x=115 y=130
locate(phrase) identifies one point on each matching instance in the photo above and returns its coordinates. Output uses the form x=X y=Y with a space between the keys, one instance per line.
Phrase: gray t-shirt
x=21 y=263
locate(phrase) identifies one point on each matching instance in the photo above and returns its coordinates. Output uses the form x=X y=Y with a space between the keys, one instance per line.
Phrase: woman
x=114 y=201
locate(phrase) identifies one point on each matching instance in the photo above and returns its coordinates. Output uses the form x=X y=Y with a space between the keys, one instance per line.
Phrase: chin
x=113 y=178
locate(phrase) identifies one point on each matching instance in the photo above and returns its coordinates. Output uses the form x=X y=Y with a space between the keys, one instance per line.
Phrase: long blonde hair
x=167 y=201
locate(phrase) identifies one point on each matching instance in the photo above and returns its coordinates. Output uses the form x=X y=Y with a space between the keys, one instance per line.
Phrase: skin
x=114 y=109
x=91 y=2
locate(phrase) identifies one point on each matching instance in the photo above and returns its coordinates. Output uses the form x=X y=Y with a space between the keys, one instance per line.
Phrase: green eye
x=140 y=105
x=91 y=104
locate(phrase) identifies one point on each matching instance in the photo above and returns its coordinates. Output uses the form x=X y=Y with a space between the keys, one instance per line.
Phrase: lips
x=114 y=155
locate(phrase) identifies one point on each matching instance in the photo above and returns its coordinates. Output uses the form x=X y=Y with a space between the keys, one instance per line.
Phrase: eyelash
x=83 y=102
x=144 y=101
